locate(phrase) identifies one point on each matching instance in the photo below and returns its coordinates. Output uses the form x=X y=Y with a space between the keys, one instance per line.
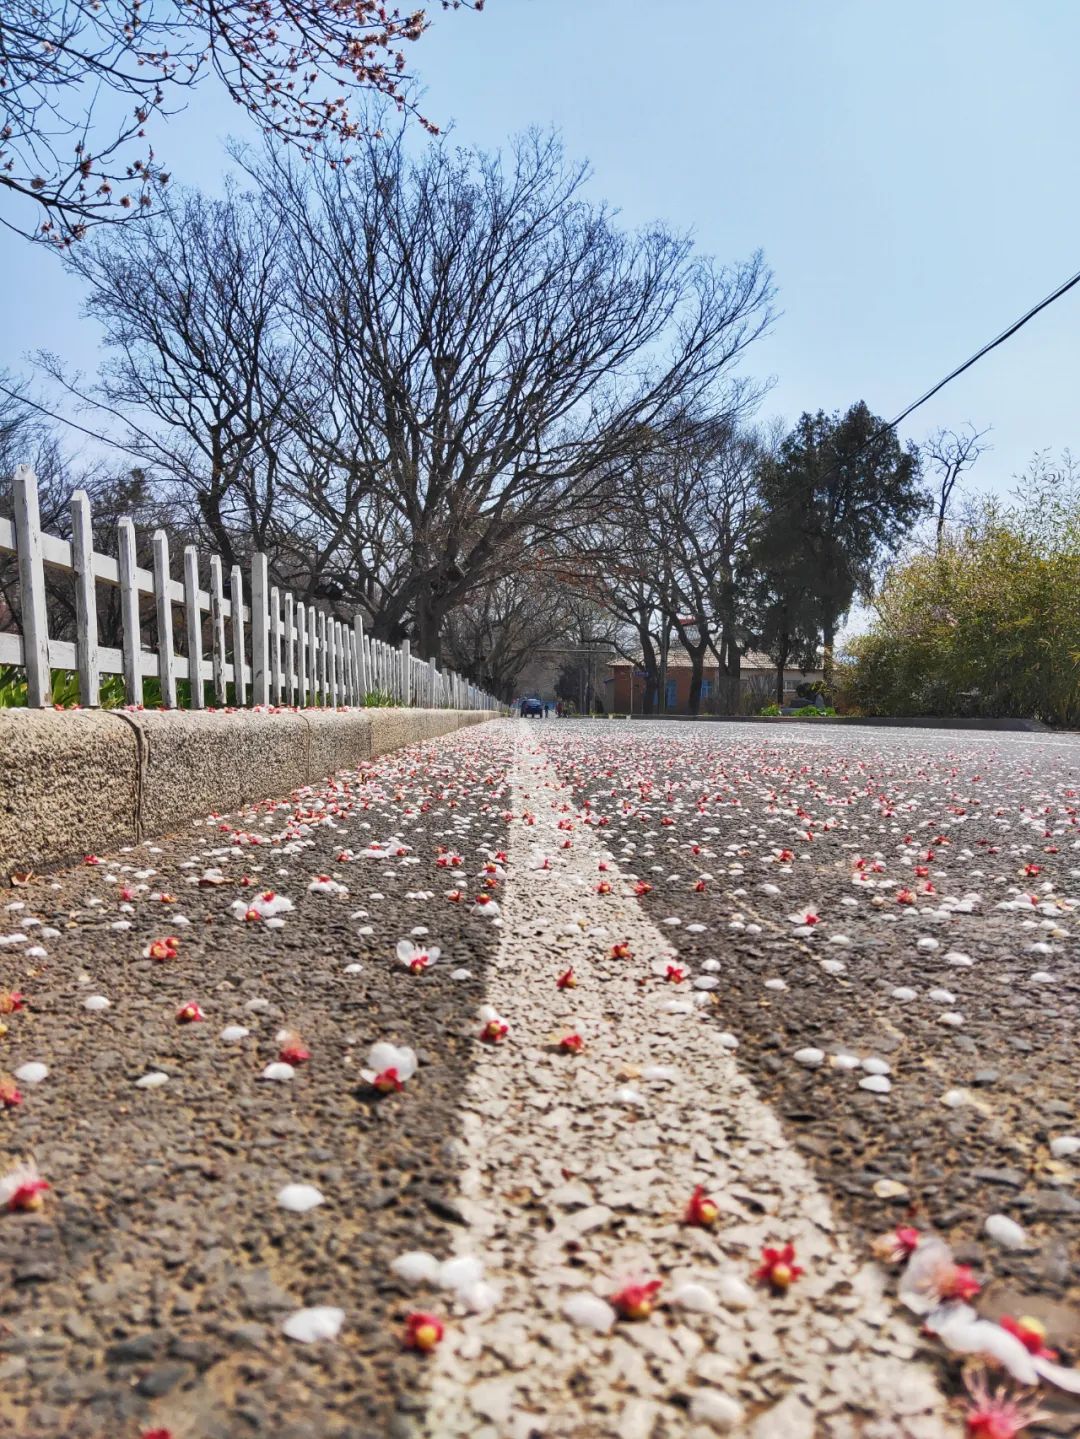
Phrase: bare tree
x=492 y=637
x=293 y=65
x=949 y=453
x=486 y=349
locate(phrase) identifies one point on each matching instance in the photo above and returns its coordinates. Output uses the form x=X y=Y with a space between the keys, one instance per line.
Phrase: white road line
x=566 y=1191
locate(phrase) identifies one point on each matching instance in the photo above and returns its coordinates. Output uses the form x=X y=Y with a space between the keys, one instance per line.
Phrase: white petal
x=310 y=1325
x=32 y=1073
x=810 y=1057
x=96 y=1002
x=416 y=1267
x=478 y=1298
x=734 y=1292
x=233 y=1032
x=962 y=1331
x=300 y=1197
x=278 y=1070
x=1065 y=1146
x=353 y=968
x=876 y=1084
x=1005 y=1231
x=590 y=1312
x=719 y=1411
x=694 y=1297
x=154 y=1080
x=460 y=1272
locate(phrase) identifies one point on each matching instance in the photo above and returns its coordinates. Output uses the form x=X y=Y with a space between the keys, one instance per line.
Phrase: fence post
x=313 y=656
x=35 y=619
x=301 y=653
x=217 y=631
x=275 y=644
x=129 y=612
x=433 y=681
x=406 y=673
x=163 y=600
x=194 y=627
x=86 y=632
x=236 y=598
x=359 y=642
x=260 y=634
x=331 y=663
x=290 y=651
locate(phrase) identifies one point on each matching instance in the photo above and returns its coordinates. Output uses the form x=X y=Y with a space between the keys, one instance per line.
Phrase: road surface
x=829 y=976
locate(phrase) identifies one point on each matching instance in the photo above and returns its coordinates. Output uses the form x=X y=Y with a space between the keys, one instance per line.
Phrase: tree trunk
x=828 y=640
x=781 y=666
x=697 y=667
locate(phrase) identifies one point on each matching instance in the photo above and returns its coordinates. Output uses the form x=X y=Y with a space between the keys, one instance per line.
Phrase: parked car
x=532 y=708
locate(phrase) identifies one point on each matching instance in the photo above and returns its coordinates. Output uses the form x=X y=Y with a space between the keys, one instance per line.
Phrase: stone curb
x=79 y=781
x=1015 y=726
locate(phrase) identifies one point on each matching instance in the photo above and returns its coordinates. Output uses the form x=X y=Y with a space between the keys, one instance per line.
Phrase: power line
x=992 y=345
x=63 y=420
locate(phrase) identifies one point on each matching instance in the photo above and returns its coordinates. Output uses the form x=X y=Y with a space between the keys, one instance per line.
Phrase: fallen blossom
x=932 y=1276
x=416 y=957
x=10 y=1096
x=701 y=1210
x=423 y=1331
x=566 y=980
x=190 y=1013
x=778 y=1268
x=636 y=1301
x=162 y=948
x=897 y=1246
x=996 y=1414
x=1031 y=1333
x=621 y=950
x=963 y=1331
x=293 y=1050
x=22 y=1188
x=571 y=1043
x=10 y=1003
x=389 y=1067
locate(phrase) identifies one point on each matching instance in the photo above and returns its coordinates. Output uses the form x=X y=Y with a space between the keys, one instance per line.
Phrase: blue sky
x=907 y=169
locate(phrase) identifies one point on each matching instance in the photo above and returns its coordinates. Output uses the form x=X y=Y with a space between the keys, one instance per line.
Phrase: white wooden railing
x=299 y=655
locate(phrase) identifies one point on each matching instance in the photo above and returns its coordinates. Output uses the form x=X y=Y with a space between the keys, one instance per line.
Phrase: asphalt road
x=893 y=896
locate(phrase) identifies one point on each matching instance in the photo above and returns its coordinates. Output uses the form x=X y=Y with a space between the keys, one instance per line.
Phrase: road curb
x=1013 y=726
x=80 y=781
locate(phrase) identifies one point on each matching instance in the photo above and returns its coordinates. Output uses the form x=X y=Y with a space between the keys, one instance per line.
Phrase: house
x=624 y=687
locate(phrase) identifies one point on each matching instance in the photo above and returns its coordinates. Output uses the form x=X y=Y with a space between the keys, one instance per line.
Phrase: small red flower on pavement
x=455 y=896
x=621 y=950
x=785 y=856
x=701 y=1210
x=494 y=1031
x=1032 y=869
x=293 y=1050
x=699 y=888
x=189 y=1013
x=897 y=1246
x=566 y=844
x=388 y=1082
x=1031 y=1333
x=566 y=980
x=922 y=871
x=905 y=896
x=642 y=887
x=603 y=887
x=423 y=1331
x=251 y=915
x=156 y=1434
x=778 y=1267
x=10 y=1002
x=483 y=899
x=91 y=859
x=167 y=898
x=162 y=948
x=958 y=1282
x=572 y=1043
x=21 y=1189
x=996 y=1414
x=10 y=1095
x=674 y=974
x=636 y=1301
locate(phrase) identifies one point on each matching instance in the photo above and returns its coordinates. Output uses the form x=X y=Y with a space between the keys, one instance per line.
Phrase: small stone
x=1005 y=1231
x=810 y=1057
x=1065 y=1146
x=719 y=1411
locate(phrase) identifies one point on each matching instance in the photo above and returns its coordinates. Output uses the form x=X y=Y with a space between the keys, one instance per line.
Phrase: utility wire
x=63 y=420
x=993 y=344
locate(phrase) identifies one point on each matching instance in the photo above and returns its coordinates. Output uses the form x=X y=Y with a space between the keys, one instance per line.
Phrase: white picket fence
x=299 y=655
